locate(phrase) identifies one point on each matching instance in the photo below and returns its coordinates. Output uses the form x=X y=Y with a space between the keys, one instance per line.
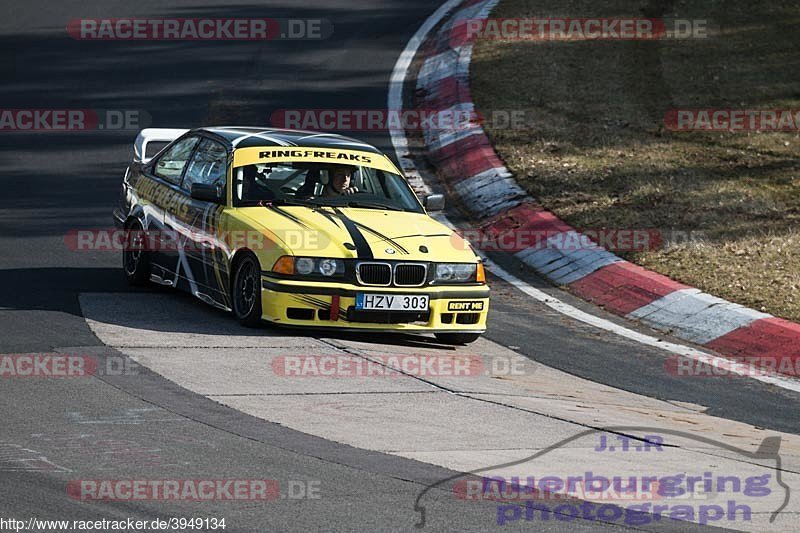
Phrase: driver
x=339 y=182
x=251 y=189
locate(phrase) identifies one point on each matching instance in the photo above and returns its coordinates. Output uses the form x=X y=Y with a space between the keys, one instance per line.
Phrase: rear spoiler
x=152 y=135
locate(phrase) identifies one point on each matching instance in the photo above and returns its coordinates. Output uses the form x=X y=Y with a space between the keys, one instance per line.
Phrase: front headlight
x=304 y=265
x=330 y=267
x=309 y=266
x=456 y=273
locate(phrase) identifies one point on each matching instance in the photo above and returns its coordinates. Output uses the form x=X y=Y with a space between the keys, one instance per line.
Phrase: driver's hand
x=350 y=190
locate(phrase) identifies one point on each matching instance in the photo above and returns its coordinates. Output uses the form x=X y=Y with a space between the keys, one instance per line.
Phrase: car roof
x=247 y=136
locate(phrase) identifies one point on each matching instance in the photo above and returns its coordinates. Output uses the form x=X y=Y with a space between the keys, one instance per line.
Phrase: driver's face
x=341 y=180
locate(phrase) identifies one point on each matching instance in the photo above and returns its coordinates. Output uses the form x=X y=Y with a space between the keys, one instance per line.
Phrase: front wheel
x=457 y=338
x=247 y=291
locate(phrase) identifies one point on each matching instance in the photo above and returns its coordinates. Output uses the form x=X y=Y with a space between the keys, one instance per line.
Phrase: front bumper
x=462 y=309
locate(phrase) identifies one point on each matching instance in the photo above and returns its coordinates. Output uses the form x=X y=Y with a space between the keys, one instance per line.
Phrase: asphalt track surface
x=146 y=427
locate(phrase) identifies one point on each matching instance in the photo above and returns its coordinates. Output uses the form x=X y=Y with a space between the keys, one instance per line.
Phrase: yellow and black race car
x=296 y=228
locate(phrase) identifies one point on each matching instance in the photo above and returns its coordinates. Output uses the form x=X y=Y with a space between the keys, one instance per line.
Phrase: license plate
x=391 y=302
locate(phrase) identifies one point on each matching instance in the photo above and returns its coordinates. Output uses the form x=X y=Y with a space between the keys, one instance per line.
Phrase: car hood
x=350 y=232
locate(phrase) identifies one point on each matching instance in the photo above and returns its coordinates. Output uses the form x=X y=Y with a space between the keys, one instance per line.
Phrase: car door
x=198 y=223
x=161 y=190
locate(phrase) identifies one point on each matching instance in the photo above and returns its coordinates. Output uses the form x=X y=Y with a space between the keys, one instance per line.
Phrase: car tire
x=246 y=291
x=457 y=338
x=135 y=258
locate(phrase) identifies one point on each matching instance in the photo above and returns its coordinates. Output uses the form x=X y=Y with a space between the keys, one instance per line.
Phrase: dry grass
x=596 y=153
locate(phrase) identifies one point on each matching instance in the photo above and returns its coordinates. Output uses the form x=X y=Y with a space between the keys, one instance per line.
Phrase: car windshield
x=323 y=185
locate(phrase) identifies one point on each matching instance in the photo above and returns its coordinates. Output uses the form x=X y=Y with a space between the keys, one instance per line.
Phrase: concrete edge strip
x=469 y=165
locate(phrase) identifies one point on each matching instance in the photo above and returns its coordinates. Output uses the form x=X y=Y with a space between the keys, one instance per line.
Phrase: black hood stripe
x=353 y=228
x=383 y=237
x=363 y=251
x=328 y=216
x=423 y=235
x=368 y=229
x=287 y=215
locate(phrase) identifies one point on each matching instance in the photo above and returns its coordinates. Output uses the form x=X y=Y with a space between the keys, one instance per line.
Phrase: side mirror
x=208 y=193
x=434 y=202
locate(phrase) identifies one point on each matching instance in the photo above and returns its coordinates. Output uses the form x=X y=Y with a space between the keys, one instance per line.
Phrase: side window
x=170 y=165
x=209 y=165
